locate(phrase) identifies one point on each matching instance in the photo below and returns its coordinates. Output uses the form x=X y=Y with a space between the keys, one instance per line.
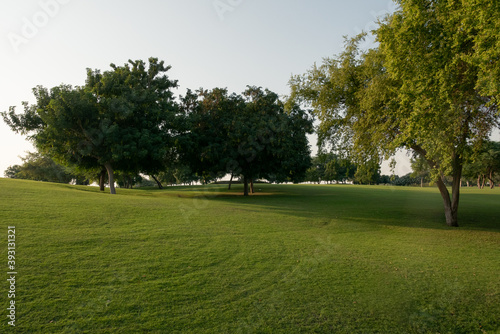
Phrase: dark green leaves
x=248 y=134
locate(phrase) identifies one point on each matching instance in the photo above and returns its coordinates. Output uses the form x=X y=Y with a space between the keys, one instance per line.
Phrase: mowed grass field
x=290 y=259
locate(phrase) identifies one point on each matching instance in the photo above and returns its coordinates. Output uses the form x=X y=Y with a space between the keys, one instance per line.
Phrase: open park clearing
x=290 y=259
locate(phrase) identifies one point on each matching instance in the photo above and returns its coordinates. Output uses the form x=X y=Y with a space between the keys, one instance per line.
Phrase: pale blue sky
x=208 y=43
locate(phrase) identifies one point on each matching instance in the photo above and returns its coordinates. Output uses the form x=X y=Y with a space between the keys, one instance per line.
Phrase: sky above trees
x=208 y=43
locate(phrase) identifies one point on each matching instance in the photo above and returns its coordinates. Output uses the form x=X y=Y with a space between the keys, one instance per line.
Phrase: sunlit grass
x=292 y=259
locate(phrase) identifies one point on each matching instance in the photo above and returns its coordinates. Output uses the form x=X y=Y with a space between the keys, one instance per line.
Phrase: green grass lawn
x=290 y=259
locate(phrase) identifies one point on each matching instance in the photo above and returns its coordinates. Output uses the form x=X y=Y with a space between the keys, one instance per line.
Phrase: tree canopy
x=249 y=135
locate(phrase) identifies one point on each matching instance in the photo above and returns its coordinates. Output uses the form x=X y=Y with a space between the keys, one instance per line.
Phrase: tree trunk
x=160 y=186
x=251 y=186
x=449 y=212
x=245 y=185
x=102 y=179
x=492 y=183
x=230 y=182
x=451 y=204
x=111 y=178
x=421 y=182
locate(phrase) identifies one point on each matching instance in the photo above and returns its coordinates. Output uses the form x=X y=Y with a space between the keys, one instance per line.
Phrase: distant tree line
x=333 y=168
x=481 y=168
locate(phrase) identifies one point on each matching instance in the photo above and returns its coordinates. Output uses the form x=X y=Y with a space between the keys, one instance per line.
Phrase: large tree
x=249 y=135
x=424 y=88
x=121 y=119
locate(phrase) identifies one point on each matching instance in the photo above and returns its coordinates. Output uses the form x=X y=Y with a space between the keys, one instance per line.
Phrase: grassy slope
x=341 y=259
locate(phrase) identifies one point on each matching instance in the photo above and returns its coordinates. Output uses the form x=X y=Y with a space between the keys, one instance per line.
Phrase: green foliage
x=146 y=183
x=178 y=174
x=406 y=180
x=330 y=167
x=481 y=22
x=249 y=135
x=12 y=172
x=292 y=259
x=136 y=115
x=128 y=180
x=122 y=119
x=484 y=164
x=368 y=172
x=440 y=108
x=37 y=167
x=210 y=119
x=420 y=169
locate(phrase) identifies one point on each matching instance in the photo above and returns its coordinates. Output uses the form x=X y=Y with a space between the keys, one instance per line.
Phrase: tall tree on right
x=431 y=86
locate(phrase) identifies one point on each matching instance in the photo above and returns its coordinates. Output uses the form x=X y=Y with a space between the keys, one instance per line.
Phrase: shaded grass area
x=291 y=259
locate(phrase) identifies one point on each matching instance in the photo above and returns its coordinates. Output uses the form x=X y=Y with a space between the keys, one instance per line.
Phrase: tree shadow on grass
x=392 y=206
x=323 y=204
